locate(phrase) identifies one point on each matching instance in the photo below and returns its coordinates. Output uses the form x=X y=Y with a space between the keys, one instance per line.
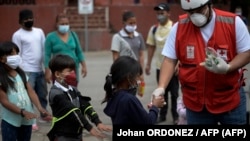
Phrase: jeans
x=173 y=87
x=12 y=133
x=38 y=83
x=236 y=116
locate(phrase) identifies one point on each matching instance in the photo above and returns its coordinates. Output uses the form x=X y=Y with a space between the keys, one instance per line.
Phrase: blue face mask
x=63 y=28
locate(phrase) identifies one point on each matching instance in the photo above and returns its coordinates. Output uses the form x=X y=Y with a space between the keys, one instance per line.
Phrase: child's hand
x=29 y=115
x=158 y=101
x=44 y=112
x=149 y=105
x=103 y=127
x=96 y=133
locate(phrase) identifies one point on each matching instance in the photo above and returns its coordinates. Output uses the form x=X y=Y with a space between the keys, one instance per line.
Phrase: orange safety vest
x=217 y=92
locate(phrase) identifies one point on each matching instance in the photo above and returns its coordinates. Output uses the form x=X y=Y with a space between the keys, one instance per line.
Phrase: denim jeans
x=38 y=83
x=236 y=116
x=12 y=133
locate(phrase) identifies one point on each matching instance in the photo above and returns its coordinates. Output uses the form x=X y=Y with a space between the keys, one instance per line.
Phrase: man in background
x=157 y=36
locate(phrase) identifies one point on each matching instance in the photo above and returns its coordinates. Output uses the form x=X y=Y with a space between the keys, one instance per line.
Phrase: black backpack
x=154 y=28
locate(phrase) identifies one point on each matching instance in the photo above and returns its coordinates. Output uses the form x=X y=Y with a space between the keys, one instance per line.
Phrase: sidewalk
x=98 y=64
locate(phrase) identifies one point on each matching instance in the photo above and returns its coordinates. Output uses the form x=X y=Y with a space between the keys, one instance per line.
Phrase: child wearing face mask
x=16 y=96
x=69 y=107
x=128 y=41
x=123 y=107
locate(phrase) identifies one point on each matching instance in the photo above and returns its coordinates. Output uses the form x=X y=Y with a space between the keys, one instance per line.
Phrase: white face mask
x=63 y=28
x=130 y=28
x=13 y=61
x=198 y=19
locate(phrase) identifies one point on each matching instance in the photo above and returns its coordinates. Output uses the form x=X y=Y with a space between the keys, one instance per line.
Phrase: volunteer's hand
x=214 y=62
x=157 y=93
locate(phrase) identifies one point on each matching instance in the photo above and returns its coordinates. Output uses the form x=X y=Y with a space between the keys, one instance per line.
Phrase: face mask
x=162 y=18
x=130 y=28
x=133 y=89
x=28 y=24
x=238 y=13
x=199 y=19
x=63 y=28
x=71 y=79
x=13 y=61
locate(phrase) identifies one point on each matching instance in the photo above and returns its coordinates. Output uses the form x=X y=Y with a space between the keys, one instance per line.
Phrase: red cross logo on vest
x=222 y=53
x=188 y=0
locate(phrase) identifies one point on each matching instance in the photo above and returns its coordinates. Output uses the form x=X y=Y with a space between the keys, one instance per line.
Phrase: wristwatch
x=22 y=112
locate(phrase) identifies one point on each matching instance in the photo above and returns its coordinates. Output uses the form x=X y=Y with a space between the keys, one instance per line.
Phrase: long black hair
x=6 y=48
x=123 y=68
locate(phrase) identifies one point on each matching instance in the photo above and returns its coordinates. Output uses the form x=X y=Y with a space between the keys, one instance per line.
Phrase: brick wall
x=95 y=21
x=105 y=20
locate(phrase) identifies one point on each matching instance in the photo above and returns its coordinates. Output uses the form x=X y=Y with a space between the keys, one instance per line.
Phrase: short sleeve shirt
x=127 y=46
x=158 y=39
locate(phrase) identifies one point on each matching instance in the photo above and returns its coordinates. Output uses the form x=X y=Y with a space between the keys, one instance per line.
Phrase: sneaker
x=45 y=119
x=35 y=127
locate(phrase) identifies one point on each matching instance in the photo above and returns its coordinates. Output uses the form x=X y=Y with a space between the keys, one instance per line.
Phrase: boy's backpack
x=154 y=28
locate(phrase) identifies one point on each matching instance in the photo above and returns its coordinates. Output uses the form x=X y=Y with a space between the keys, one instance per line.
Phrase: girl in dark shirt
x=121 y=87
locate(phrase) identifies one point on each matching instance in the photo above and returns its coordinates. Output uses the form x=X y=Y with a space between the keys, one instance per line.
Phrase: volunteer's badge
x=190 y=52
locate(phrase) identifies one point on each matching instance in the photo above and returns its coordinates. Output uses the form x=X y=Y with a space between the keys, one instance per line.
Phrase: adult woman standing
x=64 y=41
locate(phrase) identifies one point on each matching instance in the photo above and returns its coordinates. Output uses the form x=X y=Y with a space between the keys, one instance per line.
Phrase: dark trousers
x=173 y=88
x=13 y=133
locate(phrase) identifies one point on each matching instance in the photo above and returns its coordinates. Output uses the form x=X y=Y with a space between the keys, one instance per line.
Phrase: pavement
x=98 y=64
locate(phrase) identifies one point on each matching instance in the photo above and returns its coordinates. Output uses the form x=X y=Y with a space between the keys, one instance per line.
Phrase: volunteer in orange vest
x=212 y=47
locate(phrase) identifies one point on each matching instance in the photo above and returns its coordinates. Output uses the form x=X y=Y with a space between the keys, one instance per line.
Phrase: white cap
x=192 y=4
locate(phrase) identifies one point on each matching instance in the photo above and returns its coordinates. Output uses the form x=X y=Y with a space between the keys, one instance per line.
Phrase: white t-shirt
x=31 y=46
x=242 y=37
